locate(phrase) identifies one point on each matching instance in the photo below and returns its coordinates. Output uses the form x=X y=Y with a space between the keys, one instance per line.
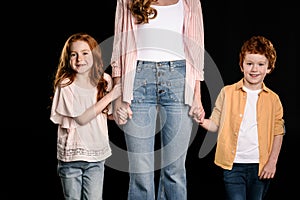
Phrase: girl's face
x=255 y=68
x=81 y=58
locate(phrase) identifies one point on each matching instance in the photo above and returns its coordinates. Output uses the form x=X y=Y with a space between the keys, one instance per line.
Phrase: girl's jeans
x=242 y=183
x=81 y=180
x=158 y=107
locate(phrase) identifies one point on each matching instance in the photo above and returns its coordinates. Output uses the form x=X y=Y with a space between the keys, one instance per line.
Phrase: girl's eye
x=85 y=53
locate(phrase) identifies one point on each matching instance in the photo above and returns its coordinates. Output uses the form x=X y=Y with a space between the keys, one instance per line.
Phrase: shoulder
x=109 y=80
x=122 y=1
x=66 y=84
x=271 y=93
x=230 y=87
x=65 y=81
x=107 y=77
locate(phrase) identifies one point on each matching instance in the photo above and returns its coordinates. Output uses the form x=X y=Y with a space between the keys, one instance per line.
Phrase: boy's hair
x=259 y=45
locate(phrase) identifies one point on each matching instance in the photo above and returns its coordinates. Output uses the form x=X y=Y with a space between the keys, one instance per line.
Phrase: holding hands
x=122 y=111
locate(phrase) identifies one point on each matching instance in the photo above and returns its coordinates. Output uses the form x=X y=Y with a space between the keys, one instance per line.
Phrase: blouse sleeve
x=63 y=109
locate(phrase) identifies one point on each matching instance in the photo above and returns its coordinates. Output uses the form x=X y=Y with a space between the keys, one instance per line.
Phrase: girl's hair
x=259 y=45
x=141 y=10
x=65 y=71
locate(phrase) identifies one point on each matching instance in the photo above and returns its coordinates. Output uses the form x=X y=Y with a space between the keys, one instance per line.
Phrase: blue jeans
x=81 y=180
x=158 y=107
x=243 y=183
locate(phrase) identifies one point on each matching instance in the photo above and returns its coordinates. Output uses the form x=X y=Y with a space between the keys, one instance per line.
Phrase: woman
x=158 y=57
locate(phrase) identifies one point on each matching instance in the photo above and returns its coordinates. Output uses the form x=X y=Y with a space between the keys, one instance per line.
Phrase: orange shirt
x=228 y=114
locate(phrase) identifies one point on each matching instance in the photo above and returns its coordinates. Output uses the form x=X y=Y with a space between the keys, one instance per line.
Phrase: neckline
x=166 y=5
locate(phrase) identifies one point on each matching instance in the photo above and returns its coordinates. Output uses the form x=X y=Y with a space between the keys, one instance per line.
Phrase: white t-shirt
x=161 y=38
x=247 y=146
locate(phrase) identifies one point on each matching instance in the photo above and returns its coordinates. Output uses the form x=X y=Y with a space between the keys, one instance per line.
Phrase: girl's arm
x=96 y=109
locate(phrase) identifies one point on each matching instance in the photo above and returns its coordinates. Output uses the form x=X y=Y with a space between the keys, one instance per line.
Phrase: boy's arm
x=270 y=167
x=209 y=125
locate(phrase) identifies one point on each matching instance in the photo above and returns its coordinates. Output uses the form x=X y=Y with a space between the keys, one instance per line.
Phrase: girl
x=80 y=108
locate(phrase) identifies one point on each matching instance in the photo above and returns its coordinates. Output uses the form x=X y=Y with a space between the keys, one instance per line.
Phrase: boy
x=248 y=117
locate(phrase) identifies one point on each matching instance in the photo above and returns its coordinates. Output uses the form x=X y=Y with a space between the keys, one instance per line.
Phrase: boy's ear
x=242 y=69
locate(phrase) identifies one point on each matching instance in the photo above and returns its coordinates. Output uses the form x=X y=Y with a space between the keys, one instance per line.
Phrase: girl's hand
x=124 y=114
x=121 y=111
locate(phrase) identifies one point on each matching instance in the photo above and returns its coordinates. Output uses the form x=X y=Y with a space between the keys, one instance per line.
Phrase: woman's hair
x=259 y=45
x=65 y=72
x=141 y=10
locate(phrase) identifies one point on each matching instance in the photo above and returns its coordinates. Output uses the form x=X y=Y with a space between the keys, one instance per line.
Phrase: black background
x=36 y=35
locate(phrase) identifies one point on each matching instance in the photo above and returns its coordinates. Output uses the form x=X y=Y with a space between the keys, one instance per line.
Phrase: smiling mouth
x=254 y=75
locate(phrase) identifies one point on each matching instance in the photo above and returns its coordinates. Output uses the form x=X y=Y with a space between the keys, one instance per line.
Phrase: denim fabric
x=158 y=107
x=81 y=180
x=243 y=183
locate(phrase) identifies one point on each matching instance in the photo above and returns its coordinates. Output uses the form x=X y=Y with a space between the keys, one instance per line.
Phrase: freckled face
x=81 y=58
x=255 y=68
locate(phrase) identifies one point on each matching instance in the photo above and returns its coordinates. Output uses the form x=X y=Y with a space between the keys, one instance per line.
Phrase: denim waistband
x=159 y=63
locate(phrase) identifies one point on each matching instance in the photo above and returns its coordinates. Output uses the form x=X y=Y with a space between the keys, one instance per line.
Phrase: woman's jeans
x=243 y=183
x=158 y=107
x=81 y=180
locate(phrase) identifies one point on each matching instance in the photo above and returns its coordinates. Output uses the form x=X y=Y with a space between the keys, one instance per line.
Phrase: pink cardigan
x=124 y=53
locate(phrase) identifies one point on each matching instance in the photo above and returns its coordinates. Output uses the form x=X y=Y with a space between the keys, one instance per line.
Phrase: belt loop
x=139 y=64
x=171 y=66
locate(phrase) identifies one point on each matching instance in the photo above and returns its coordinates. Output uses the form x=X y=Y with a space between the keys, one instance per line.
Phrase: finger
x=129 y=112
x=122 y=122
x=122 y=116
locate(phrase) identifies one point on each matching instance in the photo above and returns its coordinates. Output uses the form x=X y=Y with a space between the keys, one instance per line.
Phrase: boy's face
x=255 y=68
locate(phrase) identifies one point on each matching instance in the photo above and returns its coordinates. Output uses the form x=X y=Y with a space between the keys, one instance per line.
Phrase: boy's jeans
x=242 y=183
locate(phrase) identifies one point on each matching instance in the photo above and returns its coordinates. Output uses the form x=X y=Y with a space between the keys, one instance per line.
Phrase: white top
x=160 y=40
x=88 y=142
x=247 y=146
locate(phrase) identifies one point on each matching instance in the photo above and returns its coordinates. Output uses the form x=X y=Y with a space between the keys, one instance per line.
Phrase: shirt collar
x=240 y=83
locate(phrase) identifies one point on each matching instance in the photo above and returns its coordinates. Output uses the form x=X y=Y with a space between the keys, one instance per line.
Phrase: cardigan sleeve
x=117 y=43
